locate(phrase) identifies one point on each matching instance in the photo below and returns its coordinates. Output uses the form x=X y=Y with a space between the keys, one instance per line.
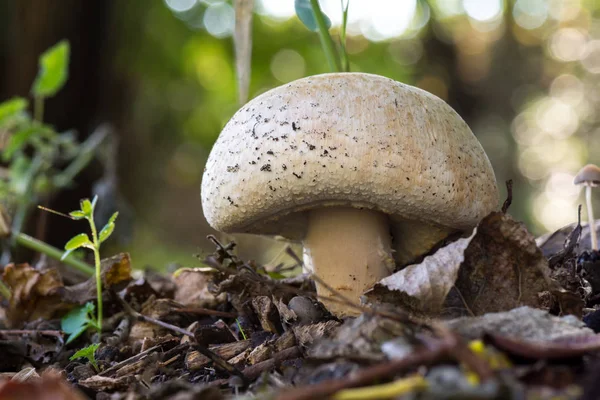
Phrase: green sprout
x=82 y=240
x=311 y=15
x=237 y=321
x=78 y=320
x=40 y=161
x=88 y=352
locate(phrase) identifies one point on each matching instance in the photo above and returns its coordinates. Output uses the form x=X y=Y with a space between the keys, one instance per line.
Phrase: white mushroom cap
x=588 y=175
x=351 y=139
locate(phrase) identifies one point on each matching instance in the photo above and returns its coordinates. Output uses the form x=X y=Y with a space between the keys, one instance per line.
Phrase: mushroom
x=365 y=171
x=589 y=176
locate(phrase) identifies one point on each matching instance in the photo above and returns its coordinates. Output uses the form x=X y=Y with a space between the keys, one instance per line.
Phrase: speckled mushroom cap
x=348 y=139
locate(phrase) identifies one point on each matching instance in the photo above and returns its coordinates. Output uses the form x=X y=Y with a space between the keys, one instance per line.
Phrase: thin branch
x=223 y=364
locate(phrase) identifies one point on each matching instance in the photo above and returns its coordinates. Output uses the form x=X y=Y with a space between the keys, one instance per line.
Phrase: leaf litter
x=494 y=314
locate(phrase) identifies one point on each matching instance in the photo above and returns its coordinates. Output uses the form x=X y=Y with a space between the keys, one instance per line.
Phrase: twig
x=509 y=194
x=366 y=375
x=471 y=313
x=397 y=315
x=223 y=364
x=252 y=372
x=459 y=350
x=130 y=360
x=20 y=332
x=206 y=311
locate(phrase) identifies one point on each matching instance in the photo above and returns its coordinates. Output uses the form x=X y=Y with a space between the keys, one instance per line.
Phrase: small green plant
x=237 y=321
x=79 y=320
x=82 y=240
x=40 y=161
x=88 y=352
x=311 y=15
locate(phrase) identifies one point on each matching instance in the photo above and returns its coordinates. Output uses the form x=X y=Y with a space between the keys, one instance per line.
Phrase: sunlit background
x=524 y=74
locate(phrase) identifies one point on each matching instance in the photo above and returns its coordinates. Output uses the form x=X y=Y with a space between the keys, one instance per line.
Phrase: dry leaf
x=116 y=273
x=39 y=389
x=423 y=287
x=192 y=288
x=503 y=269
x=34 y=294
x=552 y=243
x=466 y=276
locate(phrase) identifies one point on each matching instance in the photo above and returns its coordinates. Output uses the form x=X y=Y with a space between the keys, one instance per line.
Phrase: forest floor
x=513 y=318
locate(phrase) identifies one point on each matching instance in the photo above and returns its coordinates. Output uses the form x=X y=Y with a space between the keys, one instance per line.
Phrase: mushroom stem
x=348 y=248
x=591 y=221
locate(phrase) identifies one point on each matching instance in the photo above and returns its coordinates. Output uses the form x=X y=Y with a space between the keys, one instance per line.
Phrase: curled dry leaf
x=34 y=294
x=502 y=258
x=423 y=287
x=553 y=242
x=116 y=273
x=467 y=275
x=193 y=288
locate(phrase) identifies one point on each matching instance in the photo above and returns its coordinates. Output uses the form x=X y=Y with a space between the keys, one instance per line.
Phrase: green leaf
x=77 y=321
x=106 y=232
x=54 y=70
x=77 y=214
x=66 y=254
x=12 y=107
x=81 y=240
x=306 y=14
x=113 y=218
x=87 y=352
x=17 y=141
x=86 y=207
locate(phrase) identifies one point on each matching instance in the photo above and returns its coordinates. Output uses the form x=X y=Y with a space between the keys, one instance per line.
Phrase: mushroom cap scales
x=350 y=139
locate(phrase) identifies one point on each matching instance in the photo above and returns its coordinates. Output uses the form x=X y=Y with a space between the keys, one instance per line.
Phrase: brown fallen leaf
x=503 y=268
x=423 y=287
x=45 y=388
x=161 y=309
x=34 y=293
x=193 y=288
x=552 y=243
x=466 y=276
x=116 y=274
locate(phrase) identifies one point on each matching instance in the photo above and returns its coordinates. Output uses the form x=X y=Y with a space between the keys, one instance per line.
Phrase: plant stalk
x=591 y=220
x=38 y=109
x=98 y=270
x=4 y=290
x=51 y=251
x=326 y=40
x=344 y=54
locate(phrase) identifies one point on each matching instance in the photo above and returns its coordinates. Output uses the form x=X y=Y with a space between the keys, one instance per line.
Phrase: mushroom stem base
x=350 y=250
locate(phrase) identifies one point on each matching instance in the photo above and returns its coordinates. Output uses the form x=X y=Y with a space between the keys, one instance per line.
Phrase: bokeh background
x=524 y=74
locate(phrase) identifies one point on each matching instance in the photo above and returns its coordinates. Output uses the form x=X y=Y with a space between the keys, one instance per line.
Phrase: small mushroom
x=365 y=171
x=589 y=176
